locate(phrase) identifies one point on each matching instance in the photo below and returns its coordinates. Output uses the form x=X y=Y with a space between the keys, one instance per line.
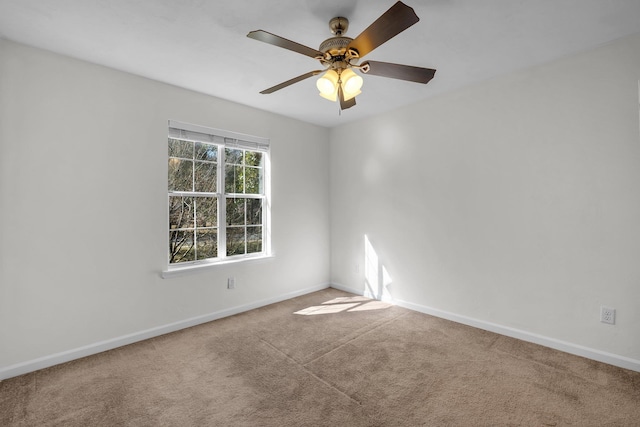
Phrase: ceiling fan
x=340 y=55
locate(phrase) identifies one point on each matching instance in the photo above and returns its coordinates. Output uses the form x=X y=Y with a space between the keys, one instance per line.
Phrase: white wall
x=83 y=214
x=512 y=204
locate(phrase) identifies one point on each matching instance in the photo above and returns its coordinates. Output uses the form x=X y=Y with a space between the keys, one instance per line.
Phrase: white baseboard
x=99 y=347
x=567 y=347
x=344 y=288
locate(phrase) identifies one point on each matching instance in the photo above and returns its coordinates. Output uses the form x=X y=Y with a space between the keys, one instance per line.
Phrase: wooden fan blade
x=398 y=71
x=266 y=37
x=345 y=104
x=394 y=21
x=292 y=81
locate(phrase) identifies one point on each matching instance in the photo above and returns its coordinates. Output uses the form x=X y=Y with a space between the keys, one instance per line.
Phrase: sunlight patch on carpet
x=373 y=305
x=342 y=300
x=338 y=305
x=325 y=309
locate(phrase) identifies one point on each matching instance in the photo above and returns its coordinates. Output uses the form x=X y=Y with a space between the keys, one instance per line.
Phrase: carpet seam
x=359 y=403
x=379 y=325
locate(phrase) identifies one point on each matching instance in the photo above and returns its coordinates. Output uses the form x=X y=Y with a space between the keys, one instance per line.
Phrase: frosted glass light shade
x=328 y=85
x=351 y=84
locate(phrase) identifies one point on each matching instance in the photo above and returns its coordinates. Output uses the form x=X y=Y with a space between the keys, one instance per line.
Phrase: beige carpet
x=326 y=359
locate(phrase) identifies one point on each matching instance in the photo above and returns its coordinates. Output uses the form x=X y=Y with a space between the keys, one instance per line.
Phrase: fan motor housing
x=335 y=46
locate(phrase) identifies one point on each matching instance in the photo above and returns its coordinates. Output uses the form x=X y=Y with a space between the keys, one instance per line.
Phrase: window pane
x=181 y=246
x=253 y=180
x=181 y=213
x=253 y=158
x=180 y=175
x=235 y=241
x=207 y=152
x=233 y=156
x=205 y=177
x=254 y=239
x=180 y=148
x=194 y=218
x=206 y=212
x=234 y=179
x=235 y=211
x=207 y=244
x=254 y=211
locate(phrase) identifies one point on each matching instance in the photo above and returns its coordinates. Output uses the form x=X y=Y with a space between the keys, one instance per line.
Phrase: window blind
x=227 y=138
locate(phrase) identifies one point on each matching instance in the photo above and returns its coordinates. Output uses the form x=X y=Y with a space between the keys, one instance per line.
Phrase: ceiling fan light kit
x=340 y=55
x=347 y=80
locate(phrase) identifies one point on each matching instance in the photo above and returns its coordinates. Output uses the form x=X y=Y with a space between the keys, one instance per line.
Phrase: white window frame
x=223 y=139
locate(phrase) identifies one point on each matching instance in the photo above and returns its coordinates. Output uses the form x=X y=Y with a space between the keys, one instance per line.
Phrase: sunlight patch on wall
x=376 y=276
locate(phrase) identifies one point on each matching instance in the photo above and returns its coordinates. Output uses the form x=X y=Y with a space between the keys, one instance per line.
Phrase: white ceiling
x=202 y=44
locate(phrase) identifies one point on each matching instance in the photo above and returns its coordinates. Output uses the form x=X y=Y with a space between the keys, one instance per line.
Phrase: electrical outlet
x=608 y=315
x=231 y=283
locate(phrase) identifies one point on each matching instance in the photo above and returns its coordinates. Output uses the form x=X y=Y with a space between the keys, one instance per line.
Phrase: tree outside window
x=206 y=223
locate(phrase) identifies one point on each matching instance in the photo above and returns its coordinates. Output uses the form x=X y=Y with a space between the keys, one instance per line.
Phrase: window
x=217 y=195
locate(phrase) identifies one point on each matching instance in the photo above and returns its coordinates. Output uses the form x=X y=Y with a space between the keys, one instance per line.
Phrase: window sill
x=204 y=266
